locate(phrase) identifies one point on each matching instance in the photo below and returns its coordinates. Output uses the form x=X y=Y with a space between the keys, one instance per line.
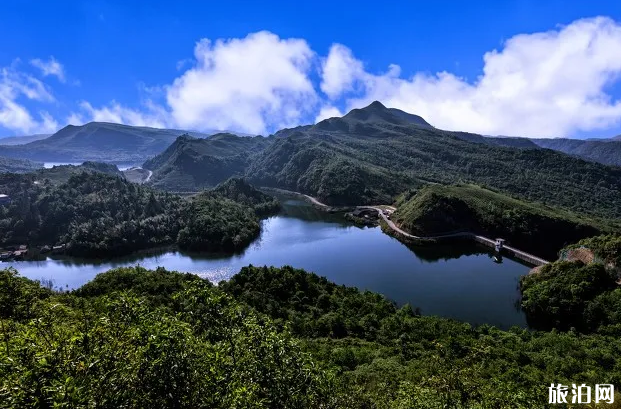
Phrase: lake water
x=459 y=281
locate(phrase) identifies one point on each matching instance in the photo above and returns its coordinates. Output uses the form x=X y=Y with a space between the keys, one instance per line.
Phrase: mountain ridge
x=353 y=160
x=99 y=141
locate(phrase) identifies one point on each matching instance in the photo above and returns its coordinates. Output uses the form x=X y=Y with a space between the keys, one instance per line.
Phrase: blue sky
x=259 y=66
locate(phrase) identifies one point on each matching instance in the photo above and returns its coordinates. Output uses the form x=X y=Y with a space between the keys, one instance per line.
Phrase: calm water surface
x=456 y=281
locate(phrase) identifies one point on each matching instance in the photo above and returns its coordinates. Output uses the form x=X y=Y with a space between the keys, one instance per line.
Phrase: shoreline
x=390 y=228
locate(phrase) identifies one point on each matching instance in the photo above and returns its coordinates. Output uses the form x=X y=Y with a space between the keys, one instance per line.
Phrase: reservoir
x=459 y=281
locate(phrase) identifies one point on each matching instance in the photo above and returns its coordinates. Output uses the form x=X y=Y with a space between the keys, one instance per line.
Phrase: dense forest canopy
x=544 y=230
x=198 y=348
x=269 y=338
x=606 y=151
x=191 y=164
x=99 y=215
x=240 y=191
x=580 y=291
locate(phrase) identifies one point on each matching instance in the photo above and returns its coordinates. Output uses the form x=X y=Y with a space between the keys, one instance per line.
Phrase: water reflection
x=458 y=280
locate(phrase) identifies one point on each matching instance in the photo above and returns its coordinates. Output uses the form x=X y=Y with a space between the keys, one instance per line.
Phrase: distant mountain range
x=21 y=140
x=95 y=141
x=606 y=151
x=107 y=142
x=373 y=154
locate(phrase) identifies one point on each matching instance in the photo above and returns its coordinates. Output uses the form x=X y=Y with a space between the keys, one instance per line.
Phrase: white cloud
x=16 y=85
x=48 y=123
x=75 y=118
x=542 y=84
x=50 y=67
x=254 y=84
x=327 y=111
x=340 y=71
x=546 y=84
x=152 y=115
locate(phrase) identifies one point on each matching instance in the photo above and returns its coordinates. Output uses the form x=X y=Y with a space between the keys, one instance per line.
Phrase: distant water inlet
x=455 y=280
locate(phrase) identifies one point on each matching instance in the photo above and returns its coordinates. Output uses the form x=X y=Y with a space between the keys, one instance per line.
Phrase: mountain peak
x=375 y=105
x=377 y=112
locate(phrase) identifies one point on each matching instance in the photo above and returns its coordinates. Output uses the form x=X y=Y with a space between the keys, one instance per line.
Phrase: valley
x=327 y=244
x=440 y=183
x=358 y=239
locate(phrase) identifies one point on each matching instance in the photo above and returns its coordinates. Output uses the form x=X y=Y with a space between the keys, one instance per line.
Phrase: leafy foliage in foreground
x=568 y=294
x=437 y=209
x=199 y=346
x=97 y=214
x=120 y=350
x=394 y=358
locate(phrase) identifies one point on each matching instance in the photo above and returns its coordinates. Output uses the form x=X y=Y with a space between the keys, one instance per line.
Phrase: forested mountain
x=98 y=141
x=18 y=165
x=543 y=230
x=101 y=215
x=192 y=164
x=371 y=155
x=240 y=191
x=606 y=151
x=277 y=338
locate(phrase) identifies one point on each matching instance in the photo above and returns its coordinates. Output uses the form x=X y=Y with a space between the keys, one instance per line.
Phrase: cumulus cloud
x=16 y=86
x=254 y=84
x=151 y=115
x=50 y=67
x=544 y=84
x=327 y=111
x=341 y=70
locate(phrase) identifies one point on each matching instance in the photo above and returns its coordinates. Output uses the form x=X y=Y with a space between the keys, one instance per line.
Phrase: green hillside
x=566 y=295
x=372 y=155
x=606 y=151
x=240 y=191
x=437 y=209
x=191 y=164
x=270 y=338
x=100 y=215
